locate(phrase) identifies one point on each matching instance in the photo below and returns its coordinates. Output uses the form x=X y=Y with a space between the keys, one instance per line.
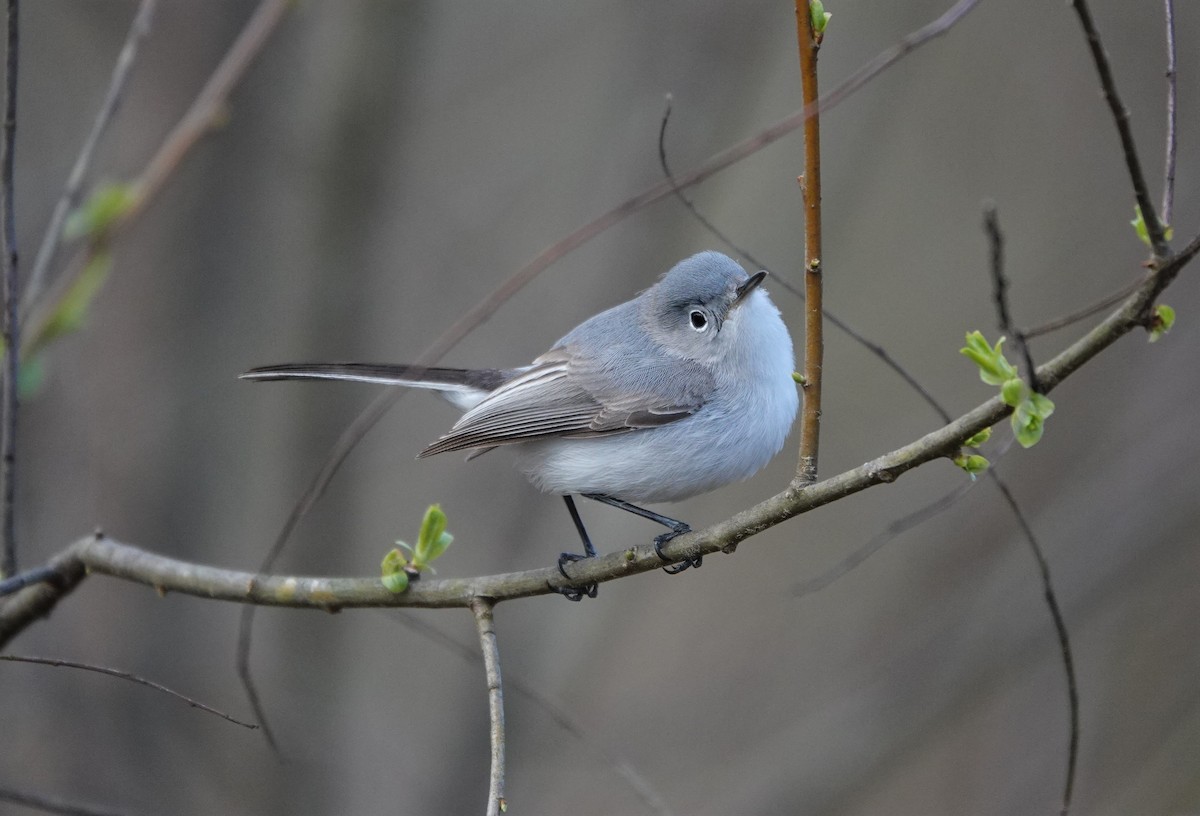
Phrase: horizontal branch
x=99 y=554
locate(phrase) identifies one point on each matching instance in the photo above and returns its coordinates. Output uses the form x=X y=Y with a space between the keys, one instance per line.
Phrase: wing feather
x=562 y=395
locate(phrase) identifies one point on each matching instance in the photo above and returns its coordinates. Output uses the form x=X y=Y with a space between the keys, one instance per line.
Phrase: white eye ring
x=698 y=320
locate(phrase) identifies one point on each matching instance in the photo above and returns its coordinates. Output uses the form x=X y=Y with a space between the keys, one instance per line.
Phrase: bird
x=681 y=390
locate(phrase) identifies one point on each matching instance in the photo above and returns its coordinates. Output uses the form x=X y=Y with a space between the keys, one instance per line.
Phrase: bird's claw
x=673 y=568
x=569 y=592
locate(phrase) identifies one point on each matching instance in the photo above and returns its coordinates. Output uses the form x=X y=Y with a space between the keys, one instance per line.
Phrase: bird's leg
x=677 y=528
x=588 y=590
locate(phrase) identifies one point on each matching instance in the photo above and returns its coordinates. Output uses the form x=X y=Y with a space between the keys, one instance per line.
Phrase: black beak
x=749 y=286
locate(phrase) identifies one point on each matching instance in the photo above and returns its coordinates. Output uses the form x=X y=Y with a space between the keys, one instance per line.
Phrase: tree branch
x=98 y=554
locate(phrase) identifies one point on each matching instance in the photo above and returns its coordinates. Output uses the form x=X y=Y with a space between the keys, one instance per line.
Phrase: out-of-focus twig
x=52 y=804
x=70 y=194
x=203 y=113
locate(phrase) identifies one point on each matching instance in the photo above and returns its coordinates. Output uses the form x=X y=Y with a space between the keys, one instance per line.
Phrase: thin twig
x=482 y=609
x=1107 y=302
x=70 y=194
x=1064 y=641
x=1120 y=116
x=1168 y=200
x=12 y=331
x=20 y=580
x=991 y=225
x=810 y=185
x=52 y=804
x=133 y=678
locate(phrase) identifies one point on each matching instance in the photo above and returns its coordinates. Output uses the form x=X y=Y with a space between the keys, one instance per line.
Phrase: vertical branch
x=1168 y=200
x=8 y=249
x=810 y=184
x=486 y=625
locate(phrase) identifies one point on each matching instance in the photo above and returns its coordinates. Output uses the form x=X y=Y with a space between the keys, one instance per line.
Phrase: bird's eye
x=698 y=320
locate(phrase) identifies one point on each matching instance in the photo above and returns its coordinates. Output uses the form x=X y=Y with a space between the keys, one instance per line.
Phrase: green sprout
x=1139 y=226
x=1030 y=409
x=432 y=540
x=978 y=439
x=820 y=17
x=96 y=217
x=1161 y=321
x=973 y=464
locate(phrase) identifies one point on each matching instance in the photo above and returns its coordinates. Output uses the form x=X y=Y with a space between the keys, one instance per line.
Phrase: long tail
x=461 y=386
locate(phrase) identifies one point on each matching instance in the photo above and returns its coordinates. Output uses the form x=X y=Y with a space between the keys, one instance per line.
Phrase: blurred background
x=384 y=166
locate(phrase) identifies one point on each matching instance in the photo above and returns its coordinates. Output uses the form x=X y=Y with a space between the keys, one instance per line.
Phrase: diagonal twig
x=133 y=678
x=52 y=804
x=1120 y=114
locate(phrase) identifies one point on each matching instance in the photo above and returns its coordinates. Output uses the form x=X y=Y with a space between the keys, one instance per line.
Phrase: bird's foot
x=672 y=567
x=574 y=593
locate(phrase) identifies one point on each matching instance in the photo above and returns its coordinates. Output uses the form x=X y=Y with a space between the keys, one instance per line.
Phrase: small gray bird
x=686 y=388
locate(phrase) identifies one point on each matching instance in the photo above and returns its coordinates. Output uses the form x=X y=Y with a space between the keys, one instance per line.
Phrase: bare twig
x=1060 y=628
x=12 y=332
x=810 y=185
x=20 y=580
x=482 y=609
x=1108 y=301
x=1168 y=199
x=70 y=194
x=991 y=225
x=52 y=804
x=133 y=678
x=1120 y=116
